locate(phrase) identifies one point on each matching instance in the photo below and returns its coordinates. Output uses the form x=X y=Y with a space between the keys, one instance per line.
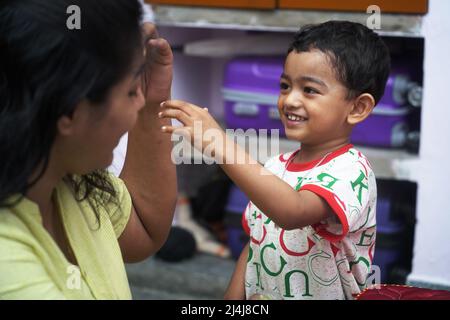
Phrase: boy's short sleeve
x=270 y=164
x=245 y=219
x=348 y=185
x=119 y=213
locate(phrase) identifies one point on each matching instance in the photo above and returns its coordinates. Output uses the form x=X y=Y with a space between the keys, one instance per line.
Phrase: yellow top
x=33 y=267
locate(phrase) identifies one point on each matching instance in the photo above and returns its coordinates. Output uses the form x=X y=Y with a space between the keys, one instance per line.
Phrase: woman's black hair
x=46 y=69
x=360 y=58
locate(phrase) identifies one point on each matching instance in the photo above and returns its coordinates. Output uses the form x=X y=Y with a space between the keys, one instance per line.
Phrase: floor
x=202 y=277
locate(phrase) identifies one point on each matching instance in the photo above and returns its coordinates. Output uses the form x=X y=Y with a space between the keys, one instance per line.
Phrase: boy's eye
x=284 y=86
x=310 y=90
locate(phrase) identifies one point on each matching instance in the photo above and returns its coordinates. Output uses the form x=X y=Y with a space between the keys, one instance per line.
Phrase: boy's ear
x=361 y=109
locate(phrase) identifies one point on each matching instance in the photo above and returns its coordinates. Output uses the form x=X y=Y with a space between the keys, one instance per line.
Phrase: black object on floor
x=180 y=245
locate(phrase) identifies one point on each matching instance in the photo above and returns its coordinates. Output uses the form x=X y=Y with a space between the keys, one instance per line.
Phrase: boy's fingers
x=168 y=129
x=177 y=104
x=180 y=115
x=183 y=131
x=189 y=108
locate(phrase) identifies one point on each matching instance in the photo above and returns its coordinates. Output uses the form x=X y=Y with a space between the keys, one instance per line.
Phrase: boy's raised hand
x=198 y=125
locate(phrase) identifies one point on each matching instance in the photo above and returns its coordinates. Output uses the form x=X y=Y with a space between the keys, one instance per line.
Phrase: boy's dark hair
x=359 y=56
x=46 y=70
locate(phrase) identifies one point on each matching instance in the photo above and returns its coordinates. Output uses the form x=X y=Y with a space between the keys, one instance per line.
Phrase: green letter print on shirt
x=250 y=253
x=288 y=275
x=258 y=275
x=299 y=183
x=359 y=182
x=329 y=182
x=367 y=264
x=256 y=216
x=321 y=255
x=257 y=266
x=365 y=235
x=287 y=284
x=282 y=261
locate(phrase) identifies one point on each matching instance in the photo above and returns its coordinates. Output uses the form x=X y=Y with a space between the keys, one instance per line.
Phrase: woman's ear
x=362 y=107
x=68 y=125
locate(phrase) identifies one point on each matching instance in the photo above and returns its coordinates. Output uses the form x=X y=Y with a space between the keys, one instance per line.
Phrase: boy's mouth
x=294 y=119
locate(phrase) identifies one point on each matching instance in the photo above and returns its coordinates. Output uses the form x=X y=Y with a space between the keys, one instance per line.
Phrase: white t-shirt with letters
x=331 y=259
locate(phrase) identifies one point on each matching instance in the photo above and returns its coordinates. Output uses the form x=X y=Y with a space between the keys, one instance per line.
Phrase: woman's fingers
x=161 y=51
x=150 y=31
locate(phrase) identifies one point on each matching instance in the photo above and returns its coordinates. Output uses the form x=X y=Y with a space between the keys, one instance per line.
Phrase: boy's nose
x=293 y=100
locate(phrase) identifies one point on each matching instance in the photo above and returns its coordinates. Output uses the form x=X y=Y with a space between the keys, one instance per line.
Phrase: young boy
x=311 y=219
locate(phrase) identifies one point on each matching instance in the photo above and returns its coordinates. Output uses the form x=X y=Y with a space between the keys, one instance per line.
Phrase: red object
x=399 y=292
x=256 y=4
x=397 y=6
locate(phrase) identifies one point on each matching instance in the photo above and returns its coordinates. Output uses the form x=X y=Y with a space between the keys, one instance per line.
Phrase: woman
x=66 y=98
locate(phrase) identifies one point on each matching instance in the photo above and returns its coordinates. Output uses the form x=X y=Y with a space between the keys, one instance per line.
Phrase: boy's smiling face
x=313 y=103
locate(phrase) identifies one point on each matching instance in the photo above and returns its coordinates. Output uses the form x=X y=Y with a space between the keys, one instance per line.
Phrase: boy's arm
x=236 y=288
x=287 y=207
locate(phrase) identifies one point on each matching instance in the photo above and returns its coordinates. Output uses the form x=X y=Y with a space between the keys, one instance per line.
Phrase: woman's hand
x=199 y=126
x=148 y=159
x=157 y=78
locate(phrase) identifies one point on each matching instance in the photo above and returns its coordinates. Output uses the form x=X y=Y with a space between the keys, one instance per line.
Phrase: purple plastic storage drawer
x=387 y=126
x=237 y=200
x=237 y=238
x=386 y=259
x=250 y=92
x=251 y=88
x=386 y=224
x=390 y=246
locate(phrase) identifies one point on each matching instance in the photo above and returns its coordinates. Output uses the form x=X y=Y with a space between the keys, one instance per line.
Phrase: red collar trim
x=296 y=167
